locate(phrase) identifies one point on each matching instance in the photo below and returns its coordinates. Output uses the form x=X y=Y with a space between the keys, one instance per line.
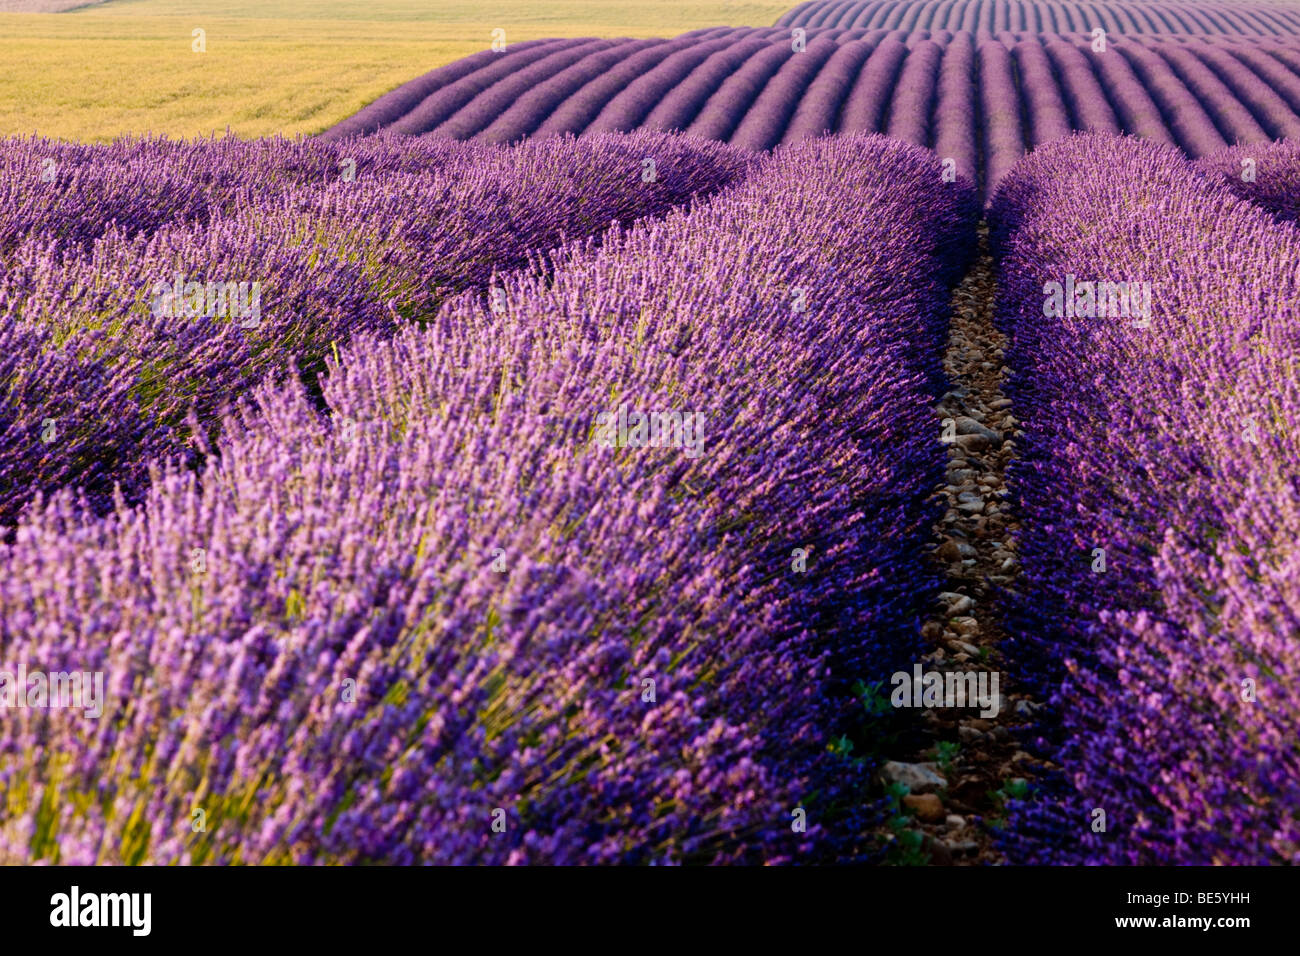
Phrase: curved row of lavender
x=980 y=100
x=1268 y=176
x=1057 y=16
x=73 y=192
x=329 y=240
x=441 y=622
x=1157 y=492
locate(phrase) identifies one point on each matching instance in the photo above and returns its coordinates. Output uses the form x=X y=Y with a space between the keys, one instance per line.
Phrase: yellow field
x=281 y=66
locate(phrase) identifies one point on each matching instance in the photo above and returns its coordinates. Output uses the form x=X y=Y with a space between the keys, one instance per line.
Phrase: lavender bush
x=369 y=634
x=73 y=194
x=329 y=260
x=1267 y=175
x=1157 y=493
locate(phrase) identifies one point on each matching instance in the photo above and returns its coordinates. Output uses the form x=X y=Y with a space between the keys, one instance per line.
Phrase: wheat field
x=277 y=66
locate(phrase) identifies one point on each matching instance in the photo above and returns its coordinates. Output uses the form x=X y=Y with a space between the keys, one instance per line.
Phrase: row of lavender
x=1156 y=353
x=475 y=611
x=146 y=285
x=1268 y=176
x=978 y=100
x=1058 y=16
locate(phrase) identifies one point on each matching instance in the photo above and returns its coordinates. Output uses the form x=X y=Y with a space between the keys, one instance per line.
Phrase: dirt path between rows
x=966 y=765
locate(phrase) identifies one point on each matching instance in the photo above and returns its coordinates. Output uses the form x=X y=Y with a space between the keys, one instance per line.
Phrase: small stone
x=957 y=603
x=954 y=550
x=965 y=625
x=927 y=806
x=940 y=855
x=973 y=443
x=1000 y=403
x=955 y=821
x=931 y=630
x=919 y=777
x=969 y=426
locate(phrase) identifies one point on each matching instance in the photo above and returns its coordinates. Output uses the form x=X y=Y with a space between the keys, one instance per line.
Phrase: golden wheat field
x=276 y=66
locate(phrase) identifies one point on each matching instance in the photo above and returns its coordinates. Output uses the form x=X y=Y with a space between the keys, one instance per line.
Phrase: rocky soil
x=964 y=764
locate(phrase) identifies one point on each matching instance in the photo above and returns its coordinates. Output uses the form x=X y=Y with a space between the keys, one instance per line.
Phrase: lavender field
x=868 y=439
x=980 y=90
